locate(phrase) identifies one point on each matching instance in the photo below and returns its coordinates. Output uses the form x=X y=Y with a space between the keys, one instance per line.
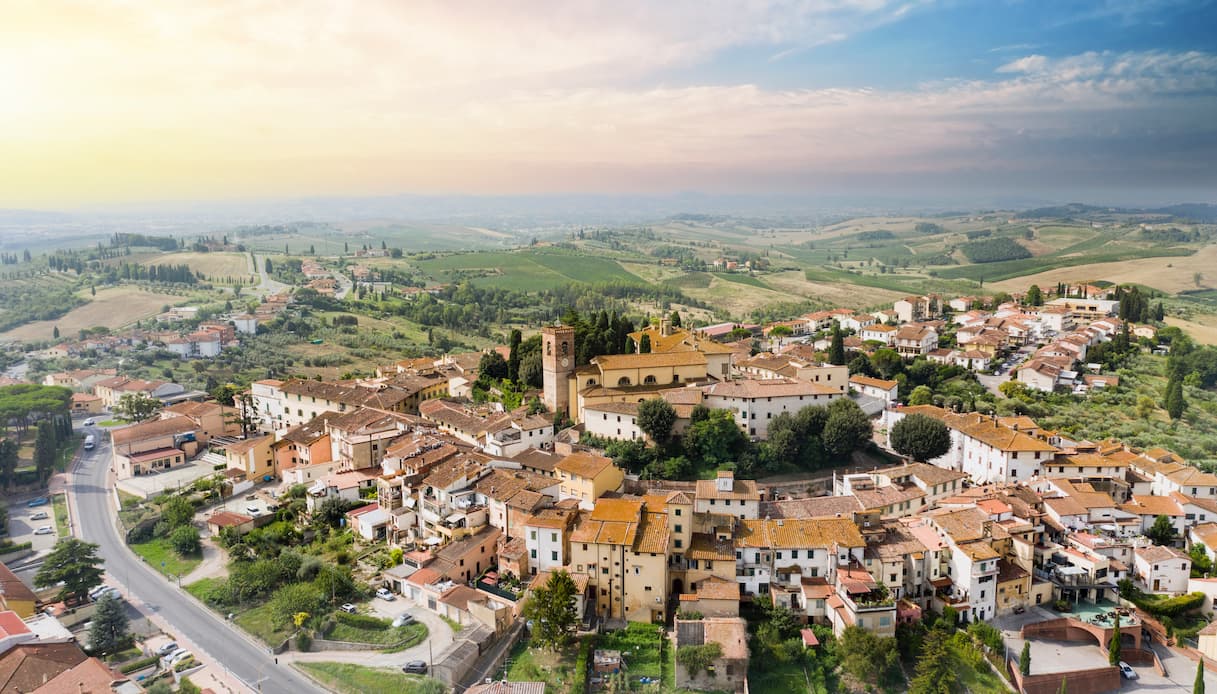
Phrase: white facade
x=1159 y=570
x=754 y=412
x=546 y=548
x=612 y=422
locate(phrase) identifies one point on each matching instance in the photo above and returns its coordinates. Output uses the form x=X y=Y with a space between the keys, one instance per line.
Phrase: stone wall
x=1094 y=681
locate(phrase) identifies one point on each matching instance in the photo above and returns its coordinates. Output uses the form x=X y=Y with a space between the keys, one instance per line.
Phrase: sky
x=110 y=101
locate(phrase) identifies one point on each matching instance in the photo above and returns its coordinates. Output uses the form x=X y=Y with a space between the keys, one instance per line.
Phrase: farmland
x=523 y=270
x=112 y=308
x=215 y=266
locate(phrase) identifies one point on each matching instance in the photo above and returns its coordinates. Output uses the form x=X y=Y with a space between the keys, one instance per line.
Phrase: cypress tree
x=836 y=351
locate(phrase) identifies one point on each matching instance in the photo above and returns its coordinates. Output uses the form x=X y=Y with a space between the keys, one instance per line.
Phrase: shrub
x=139 y=664
x=304 y=641
x=585 y=652
x=361 y=621
x=986 y=634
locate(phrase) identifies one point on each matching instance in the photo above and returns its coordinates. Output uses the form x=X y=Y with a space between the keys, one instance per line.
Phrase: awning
x=941 y=582
x=432 y=541
x=455 y=517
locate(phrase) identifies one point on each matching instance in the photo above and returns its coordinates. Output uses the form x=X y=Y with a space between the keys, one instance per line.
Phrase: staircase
x=211 y=458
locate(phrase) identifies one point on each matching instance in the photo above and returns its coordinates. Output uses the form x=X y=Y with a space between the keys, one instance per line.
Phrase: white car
x=41 y=515
x=1127 y=672
x=89 y=422
x=178 y=657
x=108 y=592
x=44 y=530
x=385 y=594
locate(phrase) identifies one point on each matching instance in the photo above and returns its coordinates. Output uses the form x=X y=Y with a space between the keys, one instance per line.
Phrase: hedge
x=139 y=664
x=9 y=547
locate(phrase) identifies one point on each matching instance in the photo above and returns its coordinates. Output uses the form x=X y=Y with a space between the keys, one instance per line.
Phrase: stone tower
x=557 y=364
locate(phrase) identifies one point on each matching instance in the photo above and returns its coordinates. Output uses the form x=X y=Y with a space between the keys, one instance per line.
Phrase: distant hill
x=1194 y=212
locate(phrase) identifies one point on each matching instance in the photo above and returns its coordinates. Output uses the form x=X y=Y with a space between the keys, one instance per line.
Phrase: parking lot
x=21 y=525
x=148 y=486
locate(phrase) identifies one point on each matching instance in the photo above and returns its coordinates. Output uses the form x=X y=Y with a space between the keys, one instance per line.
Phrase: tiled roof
x=152 y=429
x=652 y=534
x=752 y=388
x=872 y=382
x=741 y=489
x=584 y=464
x=228 y=519
x=609 y=362
x=797 y=534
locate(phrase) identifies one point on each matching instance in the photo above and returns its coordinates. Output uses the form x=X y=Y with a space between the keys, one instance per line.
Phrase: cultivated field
x=213 y=265
x=1168 y=274
x=844 y=295
x=523 y=270
x=1203 y=332
x=112 y=308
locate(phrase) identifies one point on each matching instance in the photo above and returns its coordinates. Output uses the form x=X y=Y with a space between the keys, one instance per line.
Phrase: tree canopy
x=920 y=437
x=73 y=562
x=656 y=417
x=551 y=610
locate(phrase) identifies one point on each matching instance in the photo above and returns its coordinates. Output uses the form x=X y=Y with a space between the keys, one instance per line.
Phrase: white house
x=757 y=401
x=613 y=420
x=1158 y=569
x=546 y=539
x=879 y=332
x=876 y=387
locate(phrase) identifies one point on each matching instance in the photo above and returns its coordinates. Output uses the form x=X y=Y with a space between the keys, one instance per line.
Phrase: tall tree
x=675 y=319
x=1024 y=659
x=551 y=610
x=513 y=356
x=847 y=429
x=656 y=417
x=836 y=349
x=644 y=345
x=46 y=449
x=1174 y=404
x=920 y=437
x=8 y=462
x=109 y=630
x=1198 y=685
x=73 y=562
x=1114 y=645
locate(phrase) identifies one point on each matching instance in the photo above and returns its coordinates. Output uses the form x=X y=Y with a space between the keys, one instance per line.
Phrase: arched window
x=623 y=381
x=591 y=381
x=565 y=348
x=549 y=349
x=649 y=380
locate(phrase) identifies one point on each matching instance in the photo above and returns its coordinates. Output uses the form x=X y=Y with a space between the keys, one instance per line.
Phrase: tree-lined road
x=205 y=631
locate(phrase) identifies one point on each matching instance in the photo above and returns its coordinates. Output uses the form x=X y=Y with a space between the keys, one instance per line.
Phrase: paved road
x=266 y=285
x=148 y=590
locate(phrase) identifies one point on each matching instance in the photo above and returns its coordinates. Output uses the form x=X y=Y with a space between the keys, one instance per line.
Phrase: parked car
x=1127 y=672
x=89 y=422
x=348 y=608
x=41 y=515
x=40 y=501
x=178 y=657
x=415 y=667
x=385 y=594
x=44 y=530
x=108 y=591
x=403 y=619
x=253 y=510
x=168 y=649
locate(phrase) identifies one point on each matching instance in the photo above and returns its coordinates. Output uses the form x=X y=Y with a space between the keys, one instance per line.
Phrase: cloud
x=135 y=100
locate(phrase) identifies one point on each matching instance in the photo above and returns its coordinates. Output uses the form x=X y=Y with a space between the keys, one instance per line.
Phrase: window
x=679 y=543
x=604 y=571
x=678 y=512
x=532 y=535
x=553 y=556
x=794 y=554
x=553 y=537
x=532 y=553
x=678 y=527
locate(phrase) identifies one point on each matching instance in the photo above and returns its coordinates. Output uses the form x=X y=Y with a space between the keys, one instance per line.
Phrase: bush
x=9 y=547
x=303 y=641
x=361 y=621
x=139 y=664
x=987 y=634
x=585 y=653
x=995 y=250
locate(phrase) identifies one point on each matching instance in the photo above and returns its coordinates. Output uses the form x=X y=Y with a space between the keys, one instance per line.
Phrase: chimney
x=665 y=327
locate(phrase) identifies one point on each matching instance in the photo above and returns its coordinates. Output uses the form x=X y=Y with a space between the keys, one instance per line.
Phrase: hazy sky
x=122 y=100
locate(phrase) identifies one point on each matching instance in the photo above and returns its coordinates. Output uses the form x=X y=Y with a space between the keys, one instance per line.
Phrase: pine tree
x=45 y=450
x=1173 y=403
x=1113 y=646
x=513 y=356
x=1024 y=659
x=836 y=351
x=109 y=631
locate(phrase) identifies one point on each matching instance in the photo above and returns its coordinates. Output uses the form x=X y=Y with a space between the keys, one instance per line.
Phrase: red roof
x=228 y=519
x=809 y=638
x=11 y=625
x=362 y=510
x=424 y=577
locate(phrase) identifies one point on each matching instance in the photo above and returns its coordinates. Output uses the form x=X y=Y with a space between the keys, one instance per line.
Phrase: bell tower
x=557 y=364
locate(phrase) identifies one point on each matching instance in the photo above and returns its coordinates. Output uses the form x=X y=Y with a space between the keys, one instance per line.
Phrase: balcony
x=1073 y=577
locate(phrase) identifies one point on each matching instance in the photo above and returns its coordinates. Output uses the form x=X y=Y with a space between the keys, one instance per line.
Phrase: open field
x=113 y=308
x=851 y=296
x=213 y=265
x=1202 y=332
x=346 y=678
x=1168 y=274
x=523 y=270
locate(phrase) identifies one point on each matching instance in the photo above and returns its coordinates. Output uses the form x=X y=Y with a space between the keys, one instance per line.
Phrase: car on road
x=1127 y=672
x=44 y=530
x=415 y=667
x=40 y=501
x=348 y=608
x=385 y=594
x=254 y=510
x=108 y=592
x=40 y=515
x=89 y=422
x=168 y=649
x=97 y=590
x=403 y=619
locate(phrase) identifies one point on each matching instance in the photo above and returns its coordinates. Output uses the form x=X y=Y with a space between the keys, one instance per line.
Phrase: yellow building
x=15 y=595
x=632 y=378
x=587 y=476
x=622 y=548
x=253 y=456
x=665 y=339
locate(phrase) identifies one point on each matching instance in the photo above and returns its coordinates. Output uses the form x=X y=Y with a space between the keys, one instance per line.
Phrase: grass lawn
x=385 y=635
x=60 y=502
x=258 y=621
x=346 y=678
x=456 y=626
x=978 y=680
x=555 y=669
x=201 y=587
x=776 y=678
x=160 y=556
x=113 y=423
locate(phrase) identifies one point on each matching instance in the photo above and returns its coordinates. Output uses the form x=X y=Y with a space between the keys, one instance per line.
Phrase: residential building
x=586 y=477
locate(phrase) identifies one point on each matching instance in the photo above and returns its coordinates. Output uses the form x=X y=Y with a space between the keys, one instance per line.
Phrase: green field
x=160 y=556
x=531 y=270
x=993 y=272
x=346 y=678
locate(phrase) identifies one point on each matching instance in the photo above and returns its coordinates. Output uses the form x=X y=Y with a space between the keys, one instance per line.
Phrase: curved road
x=204 y=629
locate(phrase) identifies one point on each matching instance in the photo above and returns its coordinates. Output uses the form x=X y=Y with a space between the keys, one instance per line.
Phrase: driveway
x=439 y=637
